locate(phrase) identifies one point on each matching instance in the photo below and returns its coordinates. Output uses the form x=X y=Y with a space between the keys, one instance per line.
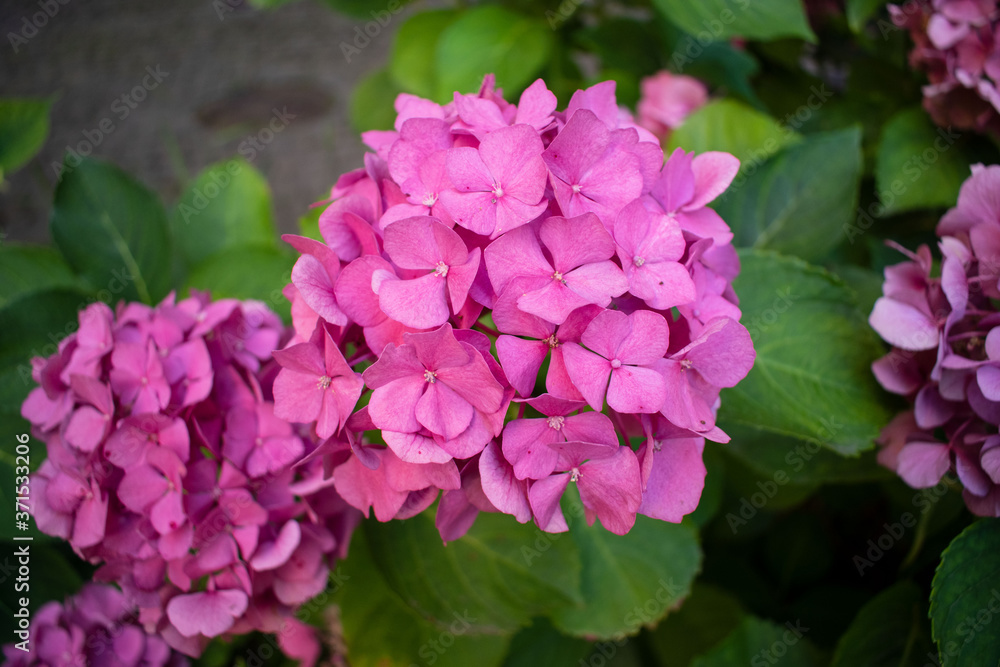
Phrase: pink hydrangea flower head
x=667 y=99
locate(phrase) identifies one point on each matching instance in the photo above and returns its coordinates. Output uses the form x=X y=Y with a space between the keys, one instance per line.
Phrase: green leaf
x=733 y=127
x=758 y=642
x=628 y=580
x=542 y=644
x=722 y=19
x=705 y=619
x=412 y=63
x=799 y=201
x=25 y=269
x=488 y=39
x=112 y=231
x=227 y=206
x=891 y=630
x=965 y=598
x=812 y=378
x=24 y=125
x=383 y=631
x=372 y=102
x=246 y=273
x=494 y=573
x=918 y=165
x=859 y=11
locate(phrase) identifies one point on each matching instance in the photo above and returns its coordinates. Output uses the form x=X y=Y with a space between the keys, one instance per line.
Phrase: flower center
x=324 y=382
x=429 y=199
x=497 y=192
x=557 y=275
x=576 y=188
x=556 y=422
x=552 y=341
x=441 y=269
x=430 y=376
x=574 y=474
x=616 y=363
x=686 y=364
x=638 y=261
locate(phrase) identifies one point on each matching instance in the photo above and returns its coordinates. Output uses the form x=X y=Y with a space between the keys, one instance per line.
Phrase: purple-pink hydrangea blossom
x=957 y=43
x=945 y=356
x=97 y=626
x=170 y=468
x=484 y=244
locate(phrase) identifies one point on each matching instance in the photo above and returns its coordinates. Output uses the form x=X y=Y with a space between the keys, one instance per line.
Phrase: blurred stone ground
x=223 y=73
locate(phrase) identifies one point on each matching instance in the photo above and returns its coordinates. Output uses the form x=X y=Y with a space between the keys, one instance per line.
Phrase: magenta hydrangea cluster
x=526 y=291
x=945 y=333
x=167 y=466
x=97 y=626
x=957 y=43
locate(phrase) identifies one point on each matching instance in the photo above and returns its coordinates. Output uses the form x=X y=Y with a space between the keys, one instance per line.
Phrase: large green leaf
x=381 y=630
x=112 y=231
x=628 y=580
x=24 y=125
x=227 y=206
x=757 y=642
x=488 y=39
x=412 y=64
x=31 y=268
x=246 y=273
x=733 y=127
x=542 y=644
x=722 y=19
x=799 y=201
x=965 y=598
x=919 y=165
x=494 y=574
x=705 y=619
x=889 y=631
x=812 y=378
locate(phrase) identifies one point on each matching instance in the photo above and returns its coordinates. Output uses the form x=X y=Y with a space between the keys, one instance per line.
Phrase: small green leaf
x=758 y=642
x=383 y=631
x=412 y=63
x=859 y=11
x=113 y=231
x=488 y=39
x=246 y=273
x=628 y=580
x=31 y=268
x=919 y=165
x=372 y=102
x=812 y=378
x=965 y=598
x=799 y=201
x=227 y=206
x=892 y=629
x=494 y=573
x=24 y=126
x=722 y=19
x=733 y=127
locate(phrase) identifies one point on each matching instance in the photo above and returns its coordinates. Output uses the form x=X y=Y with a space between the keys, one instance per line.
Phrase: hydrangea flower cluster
x=946 y=351
x=666 y=100
x=166 y=465
x=97 y=626
x=957 y=43
x=524 y=290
